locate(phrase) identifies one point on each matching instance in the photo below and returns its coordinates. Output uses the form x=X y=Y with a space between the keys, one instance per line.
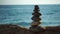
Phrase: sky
x=24 y=2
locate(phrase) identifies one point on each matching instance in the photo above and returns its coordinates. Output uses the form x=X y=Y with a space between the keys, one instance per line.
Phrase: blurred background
x=21 y=15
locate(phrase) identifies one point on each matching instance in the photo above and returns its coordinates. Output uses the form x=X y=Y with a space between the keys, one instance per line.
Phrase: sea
x=21 y=15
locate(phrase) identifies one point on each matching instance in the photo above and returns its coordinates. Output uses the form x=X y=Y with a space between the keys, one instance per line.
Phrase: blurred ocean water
x=21 y=14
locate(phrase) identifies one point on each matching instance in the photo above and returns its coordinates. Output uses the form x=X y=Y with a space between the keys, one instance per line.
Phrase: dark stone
x=36 y=29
